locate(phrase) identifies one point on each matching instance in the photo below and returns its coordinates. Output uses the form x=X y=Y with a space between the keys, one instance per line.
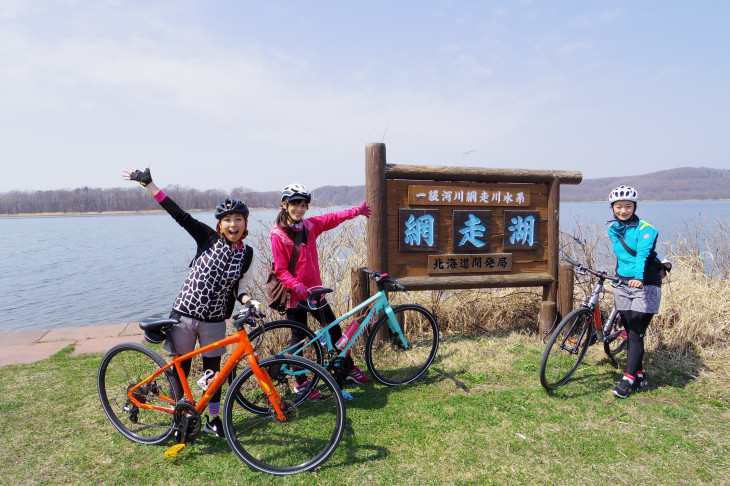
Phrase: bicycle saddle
x=155 y=327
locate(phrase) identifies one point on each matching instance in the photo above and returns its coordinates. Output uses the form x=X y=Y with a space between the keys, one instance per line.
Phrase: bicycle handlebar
x=248 y=316
x=615 y=281
x=315 y=298
x=381 y=279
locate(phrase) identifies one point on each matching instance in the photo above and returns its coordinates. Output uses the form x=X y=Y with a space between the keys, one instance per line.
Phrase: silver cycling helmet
x=623 y=193
x=294 y=192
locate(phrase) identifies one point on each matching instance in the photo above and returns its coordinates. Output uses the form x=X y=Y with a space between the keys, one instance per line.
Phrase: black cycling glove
x=143 y=177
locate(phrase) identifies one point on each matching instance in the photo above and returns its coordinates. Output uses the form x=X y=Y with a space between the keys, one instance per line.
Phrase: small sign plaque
x=484 y=196
x=469 y=263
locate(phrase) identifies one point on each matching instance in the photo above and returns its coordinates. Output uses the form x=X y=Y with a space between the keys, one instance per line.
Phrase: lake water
x=66 y=271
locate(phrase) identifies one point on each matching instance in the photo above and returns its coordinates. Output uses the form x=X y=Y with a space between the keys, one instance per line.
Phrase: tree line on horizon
x=122 y=199
x=684 y=183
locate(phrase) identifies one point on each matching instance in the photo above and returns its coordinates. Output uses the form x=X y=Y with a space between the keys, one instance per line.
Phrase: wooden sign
x=498 y=227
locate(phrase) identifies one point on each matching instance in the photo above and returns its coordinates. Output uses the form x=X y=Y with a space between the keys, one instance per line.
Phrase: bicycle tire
x=125 y=365
x=615 y=342
x=386 y=357
x=560 y=361
x=271 y=339
x=308 y=437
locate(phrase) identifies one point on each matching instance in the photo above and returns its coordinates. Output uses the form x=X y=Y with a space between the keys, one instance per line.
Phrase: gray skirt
x=190 y=330
x=645 y=299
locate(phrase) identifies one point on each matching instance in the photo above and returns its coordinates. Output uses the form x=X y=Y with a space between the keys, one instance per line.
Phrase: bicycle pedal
x=174 y=450
x=346 y=395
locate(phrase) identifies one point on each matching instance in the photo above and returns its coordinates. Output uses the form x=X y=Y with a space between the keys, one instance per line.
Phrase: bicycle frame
x=593 y=303
x=380 y=304
x=243 y=349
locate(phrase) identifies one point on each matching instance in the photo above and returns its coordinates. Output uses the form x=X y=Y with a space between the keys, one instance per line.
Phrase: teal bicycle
x=402 y=340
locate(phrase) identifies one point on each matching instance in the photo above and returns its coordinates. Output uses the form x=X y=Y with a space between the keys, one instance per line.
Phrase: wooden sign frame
x=392 y=188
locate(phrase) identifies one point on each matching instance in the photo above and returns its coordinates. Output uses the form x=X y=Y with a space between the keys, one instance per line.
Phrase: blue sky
x=222 y=94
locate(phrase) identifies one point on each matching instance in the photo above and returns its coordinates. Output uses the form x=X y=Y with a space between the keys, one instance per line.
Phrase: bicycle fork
x=395 y=327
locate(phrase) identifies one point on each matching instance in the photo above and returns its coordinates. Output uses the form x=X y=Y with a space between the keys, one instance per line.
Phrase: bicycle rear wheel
x=275 y=337
x=566 y=348
x=312 y=429
x=615 y=342
x=124 y=366
x=390 y=362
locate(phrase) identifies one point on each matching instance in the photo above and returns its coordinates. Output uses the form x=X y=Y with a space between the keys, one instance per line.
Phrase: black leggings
x=208 y=364
x=300 y=315
x=636 y=325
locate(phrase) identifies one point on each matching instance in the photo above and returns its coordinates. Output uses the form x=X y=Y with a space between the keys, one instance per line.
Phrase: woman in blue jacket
x=634 y=243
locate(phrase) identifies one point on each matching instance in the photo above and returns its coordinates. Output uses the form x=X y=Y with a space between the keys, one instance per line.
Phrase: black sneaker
x=214 y=426
x=641 y=382
x=623 y=389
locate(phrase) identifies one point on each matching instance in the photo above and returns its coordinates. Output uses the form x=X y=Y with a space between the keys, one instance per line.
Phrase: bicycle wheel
x=616 y=341
x=392 y=363
x=566 y=348
x=312 y=429
x=124 y=366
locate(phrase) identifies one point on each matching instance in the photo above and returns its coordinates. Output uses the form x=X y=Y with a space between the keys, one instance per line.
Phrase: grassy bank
x=478 y=417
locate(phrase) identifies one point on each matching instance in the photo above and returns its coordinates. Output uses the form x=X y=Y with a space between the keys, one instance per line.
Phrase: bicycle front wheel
x=395 y=359
x=124 y=366
x=566 y=348
x=303 y=441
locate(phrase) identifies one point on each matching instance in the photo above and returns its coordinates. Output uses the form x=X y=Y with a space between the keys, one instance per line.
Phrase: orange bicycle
x=268 y=424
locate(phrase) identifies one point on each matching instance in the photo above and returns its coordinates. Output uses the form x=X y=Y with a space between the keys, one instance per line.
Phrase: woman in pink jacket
x=295 y=199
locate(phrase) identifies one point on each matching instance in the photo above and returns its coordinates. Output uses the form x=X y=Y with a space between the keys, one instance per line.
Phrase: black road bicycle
x=568 y=344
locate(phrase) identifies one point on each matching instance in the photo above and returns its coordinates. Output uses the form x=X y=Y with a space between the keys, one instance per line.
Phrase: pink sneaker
x=302 y=387
x=358 y=376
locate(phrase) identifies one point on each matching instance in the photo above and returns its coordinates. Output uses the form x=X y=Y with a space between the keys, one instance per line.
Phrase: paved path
x=32 y=346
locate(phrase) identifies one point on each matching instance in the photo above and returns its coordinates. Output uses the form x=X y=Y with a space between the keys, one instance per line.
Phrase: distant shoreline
x=153 y=211
x=145 y=211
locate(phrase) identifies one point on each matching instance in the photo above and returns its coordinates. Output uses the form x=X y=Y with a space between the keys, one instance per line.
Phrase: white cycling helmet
x=294 y=192
x=623 y=193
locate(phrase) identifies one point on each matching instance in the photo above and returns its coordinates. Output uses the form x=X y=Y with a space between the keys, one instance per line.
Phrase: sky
x=221 y=94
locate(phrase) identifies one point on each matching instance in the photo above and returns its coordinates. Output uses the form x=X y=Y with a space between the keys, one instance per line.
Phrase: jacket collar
x=620 y=227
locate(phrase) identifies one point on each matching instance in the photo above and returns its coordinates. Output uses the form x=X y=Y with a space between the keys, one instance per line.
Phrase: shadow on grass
x=675 y=368
x=355 y=451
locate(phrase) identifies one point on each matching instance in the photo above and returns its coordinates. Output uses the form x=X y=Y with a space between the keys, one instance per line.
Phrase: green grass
x=479 y=416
